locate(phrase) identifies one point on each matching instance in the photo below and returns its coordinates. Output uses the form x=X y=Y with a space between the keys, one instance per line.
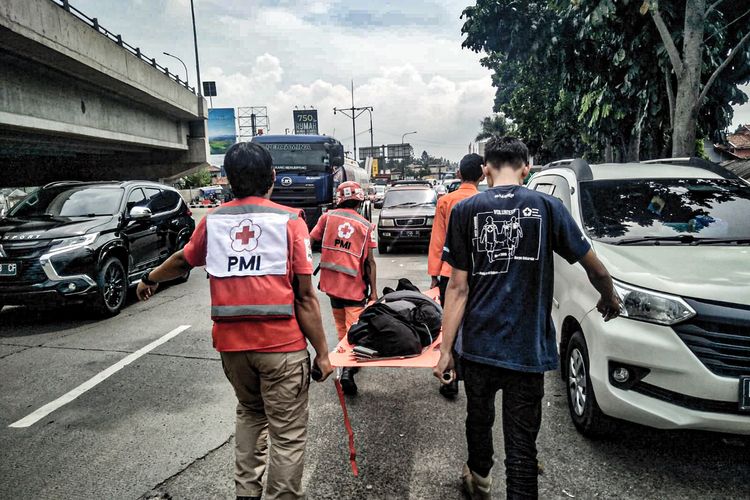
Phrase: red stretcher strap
x=348 y=425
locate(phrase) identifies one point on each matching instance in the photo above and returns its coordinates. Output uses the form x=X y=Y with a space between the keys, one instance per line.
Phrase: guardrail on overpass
x=80 y=103
x=117 y=38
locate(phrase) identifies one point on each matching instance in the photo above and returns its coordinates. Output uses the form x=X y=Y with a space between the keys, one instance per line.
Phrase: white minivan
x=675 y=236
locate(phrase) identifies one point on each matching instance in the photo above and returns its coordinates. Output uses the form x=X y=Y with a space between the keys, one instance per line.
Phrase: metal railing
x=117 y=38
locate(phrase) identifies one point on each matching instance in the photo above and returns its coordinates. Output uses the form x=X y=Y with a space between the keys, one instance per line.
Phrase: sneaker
x=347 y=382
x=449 y=391
x=478 y=487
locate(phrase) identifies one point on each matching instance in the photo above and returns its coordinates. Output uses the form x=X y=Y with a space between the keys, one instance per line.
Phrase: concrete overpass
x=78 y=102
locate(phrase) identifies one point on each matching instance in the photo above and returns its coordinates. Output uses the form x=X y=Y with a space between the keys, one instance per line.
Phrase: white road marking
x=45 y=410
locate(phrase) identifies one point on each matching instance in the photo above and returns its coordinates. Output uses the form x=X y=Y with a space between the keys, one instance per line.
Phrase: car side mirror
x=140 y=213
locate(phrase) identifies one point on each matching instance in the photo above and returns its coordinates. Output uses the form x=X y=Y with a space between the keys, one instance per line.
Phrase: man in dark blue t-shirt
x=498 y=302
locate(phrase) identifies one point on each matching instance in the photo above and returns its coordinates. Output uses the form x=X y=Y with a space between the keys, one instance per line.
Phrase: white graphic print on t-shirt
x=502 y=236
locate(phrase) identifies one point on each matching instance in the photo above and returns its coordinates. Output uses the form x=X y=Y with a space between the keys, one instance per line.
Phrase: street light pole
x=372 y=145
x=404 y=135
x=403 y=162
x=195 y=43
x=187 y=76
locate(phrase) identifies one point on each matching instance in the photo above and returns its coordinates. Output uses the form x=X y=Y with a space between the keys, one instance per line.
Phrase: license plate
x=410 y=234
x=745 y=393
x=8 y=269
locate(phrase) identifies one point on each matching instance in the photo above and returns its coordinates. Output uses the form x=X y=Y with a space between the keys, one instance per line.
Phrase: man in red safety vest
x=259 y=260
x=347 y=263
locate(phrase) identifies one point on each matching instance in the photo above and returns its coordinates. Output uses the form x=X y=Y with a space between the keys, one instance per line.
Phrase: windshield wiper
x=39 y=216
x=687 y=239
x=405 y=204
x=683 y=238
x=714 y=241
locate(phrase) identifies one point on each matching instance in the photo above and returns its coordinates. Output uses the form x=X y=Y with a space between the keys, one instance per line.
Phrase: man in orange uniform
x=471 y=174
x=258 y=257
x=347 y=263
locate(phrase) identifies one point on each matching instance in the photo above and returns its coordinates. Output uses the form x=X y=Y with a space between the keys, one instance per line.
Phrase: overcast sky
x=405 y=58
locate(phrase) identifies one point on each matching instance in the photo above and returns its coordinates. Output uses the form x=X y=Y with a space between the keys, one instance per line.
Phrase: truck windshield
x=667 y=211
x=295 y=157
x=67 y=201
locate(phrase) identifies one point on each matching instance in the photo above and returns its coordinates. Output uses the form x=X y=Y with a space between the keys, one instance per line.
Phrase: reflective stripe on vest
x=349 y=215
x=253 y=209
x=339 y=268
x=254 y=310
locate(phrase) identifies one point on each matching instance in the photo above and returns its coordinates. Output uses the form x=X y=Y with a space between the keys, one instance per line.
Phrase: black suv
x=87 y=242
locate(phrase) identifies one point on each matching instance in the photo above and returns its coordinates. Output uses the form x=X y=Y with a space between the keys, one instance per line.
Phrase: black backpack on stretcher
x=401 y=323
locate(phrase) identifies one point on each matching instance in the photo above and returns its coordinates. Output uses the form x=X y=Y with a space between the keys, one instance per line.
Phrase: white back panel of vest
x=345 y=234
x=253 y=244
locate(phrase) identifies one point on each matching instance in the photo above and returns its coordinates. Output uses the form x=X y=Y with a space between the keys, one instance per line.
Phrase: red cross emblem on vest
x=245 y=236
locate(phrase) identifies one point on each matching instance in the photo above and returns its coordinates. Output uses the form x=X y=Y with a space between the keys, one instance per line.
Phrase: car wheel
x=382 y=247
x=113 y=288
x=584 y=410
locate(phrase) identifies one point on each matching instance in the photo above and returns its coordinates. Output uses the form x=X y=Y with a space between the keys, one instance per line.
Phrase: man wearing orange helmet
x=347 y=263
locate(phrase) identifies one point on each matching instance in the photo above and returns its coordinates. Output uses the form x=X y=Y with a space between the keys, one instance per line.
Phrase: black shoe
x=347 y=382
x=449 y=391
x=248 y=498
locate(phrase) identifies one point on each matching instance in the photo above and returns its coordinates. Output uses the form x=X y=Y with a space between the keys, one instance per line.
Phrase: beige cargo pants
x=271 y=390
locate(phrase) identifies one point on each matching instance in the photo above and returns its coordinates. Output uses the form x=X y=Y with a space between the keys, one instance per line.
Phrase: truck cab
x=309 y=168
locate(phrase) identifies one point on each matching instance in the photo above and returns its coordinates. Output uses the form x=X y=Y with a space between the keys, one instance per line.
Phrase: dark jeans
x=522 y=417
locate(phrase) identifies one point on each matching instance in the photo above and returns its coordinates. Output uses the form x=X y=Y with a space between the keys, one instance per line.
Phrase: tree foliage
x=199 y=179
x=495 y=125
x=592 y=77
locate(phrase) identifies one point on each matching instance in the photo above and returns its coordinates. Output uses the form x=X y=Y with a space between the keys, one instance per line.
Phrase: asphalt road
x=165 y=422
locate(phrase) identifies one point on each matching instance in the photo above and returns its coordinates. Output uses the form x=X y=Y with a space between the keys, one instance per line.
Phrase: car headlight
x=652 y=307
x=387 y=223
x=430 y=220
x=67 y=244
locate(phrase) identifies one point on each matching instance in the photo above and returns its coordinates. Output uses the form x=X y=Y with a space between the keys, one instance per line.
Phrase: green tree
x=591 y=77
x=494 y=125
x=714 y=43
x=201 y=178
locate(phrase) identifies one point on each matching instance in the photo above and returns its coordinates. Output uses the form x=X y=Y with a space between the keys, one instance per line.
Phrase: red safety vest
x=342 y=255
x=248 y=262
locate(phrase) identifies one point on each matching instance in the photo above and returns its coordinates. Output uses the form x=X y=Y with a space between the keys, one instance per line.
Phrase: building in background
x=736 y=145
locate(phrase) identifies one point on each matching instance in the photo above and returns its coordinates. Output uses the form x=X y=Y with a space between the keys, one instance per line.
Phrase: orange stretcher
x=343 y=357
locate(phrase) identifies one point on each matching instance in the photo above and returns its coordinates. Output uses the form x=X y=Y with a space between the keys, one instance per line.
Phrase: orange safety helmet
x=349 y=190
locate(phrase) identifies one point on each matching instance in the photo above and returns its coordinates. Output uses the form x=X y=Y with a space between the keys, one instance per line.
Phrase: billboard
x=305 y=121
x=222 y=129
x=209 y=89
x=400 y=150
x=376 y=152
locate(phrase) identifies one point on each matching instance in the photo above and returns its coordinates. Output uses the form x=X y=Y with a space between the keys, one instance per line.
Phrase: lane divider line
x=45 y=410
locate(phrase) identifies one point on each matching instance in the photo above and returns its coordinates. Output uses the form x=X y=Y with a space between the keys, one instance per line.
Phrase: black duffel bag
x=401 y=323
x=386 y=331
